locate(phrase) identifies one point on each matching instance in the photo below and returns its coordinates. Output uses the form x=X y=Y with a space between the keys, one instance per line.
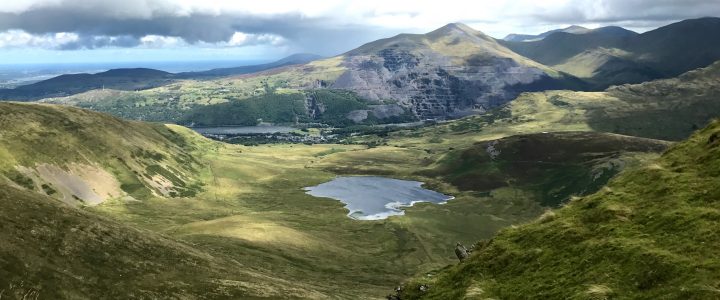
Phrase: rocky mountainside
x=450 y=72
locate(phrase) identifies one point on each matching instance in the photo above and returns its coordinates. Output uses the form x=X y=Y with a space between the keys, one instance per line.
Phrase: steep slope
x=679 y=47
x=612 y=55
x=649 y=234
x=84 y=157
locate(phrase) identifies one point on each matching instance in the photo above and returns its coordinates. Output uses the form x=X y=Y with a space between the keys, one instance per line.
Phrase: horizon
x=139 y=31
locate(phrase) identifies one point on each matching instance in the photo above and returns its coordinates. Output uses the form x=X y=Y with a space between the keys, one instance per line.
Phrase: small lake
x=239 y=130
x=375 y=198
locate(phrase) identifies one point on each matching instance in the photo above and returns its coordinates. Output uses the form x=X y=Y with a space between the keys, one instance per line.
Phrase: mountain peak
x=455 y=28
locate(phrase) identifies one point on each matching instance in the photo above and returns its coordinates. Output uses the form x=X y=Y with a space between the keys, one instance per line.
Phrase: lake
x=239 y=130
x=375 y=198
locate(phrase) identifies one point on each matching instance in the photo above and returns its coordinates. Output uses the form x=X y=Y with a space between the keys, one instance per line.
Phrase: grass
x=53 y=251
x=33 y=134
x=647 y=235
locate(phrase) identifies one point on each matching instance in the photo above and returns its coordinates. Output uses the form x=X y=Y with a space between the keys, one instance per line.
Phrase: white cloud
x=240 y=39
x=19 y=38
x=159 y=41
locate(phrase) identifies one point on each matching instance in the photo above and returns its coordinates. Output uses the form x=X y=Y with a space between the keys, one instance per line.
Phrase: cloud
x=325 y=27
x=19 y=38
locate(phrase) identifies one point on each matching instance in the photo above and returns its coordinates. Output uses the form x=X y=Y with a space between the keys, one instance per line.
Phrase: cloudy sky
x=40 y=31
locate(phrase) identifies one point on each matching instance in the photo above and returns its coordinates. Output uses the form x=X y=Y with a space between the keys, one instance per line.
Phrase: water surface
x=375 y=198
x=262 y=129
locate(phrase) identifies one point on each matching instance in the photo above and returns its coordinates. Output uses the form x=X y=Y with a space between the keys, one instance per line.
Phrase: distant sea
x=12 y=75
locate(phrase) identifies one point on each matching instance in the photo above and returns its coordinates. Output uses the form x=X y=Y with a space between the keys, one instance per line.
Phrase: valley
x=574 y=164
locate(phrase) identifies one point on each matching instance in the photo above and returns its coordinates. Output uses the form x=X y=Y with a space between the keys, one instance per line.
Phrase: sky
x=91 y=31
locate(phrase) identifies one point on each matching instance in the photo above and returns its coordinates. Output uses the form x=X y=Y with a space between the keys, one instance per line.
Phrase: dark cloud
x=105 y=23
x=102 y=28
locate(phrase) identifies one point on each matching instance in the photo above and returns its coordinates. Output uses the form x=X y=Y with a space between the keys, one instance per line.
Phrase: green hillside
x=649 y=234
x=53 y=251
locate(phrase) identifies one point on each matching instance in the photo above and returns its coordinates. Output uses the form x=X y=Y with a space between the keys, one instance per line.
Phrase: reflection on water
x=375 y=198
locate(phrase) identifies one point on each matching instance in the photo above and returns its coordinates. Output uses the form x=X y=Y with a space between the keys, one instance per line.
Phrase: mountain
x=679 y=47
x=450 y=72
x=131 y=79
x=647 y=235
x=530 y=38
x=615 y=56
x=559 y=46
x=295 y=59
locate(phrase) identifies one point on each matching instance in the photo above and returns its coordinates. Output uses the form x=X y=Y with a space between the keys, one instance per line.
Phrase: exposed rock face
x=450 y=72
x=461 y=252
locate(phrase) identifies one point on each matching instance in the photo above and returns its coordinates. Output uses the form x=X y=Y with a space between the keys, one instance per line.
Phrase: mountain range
x=451 y=72
x=614 y=56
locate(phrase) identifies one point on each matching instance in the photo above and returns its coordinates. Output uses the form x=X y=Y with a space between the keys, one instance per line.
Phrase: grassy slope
x=53 y=251
x=649 y=234
x=553 y=166
x=133 y=152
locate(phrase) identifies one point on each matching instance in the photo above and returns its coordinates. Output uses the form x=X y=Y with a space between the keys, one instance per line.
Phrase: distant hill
x=559 y=46
x=612 y=55
x=63 y=85
x=131 y=79
x=530 y=37
x=294 y=59
x=647 y=235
